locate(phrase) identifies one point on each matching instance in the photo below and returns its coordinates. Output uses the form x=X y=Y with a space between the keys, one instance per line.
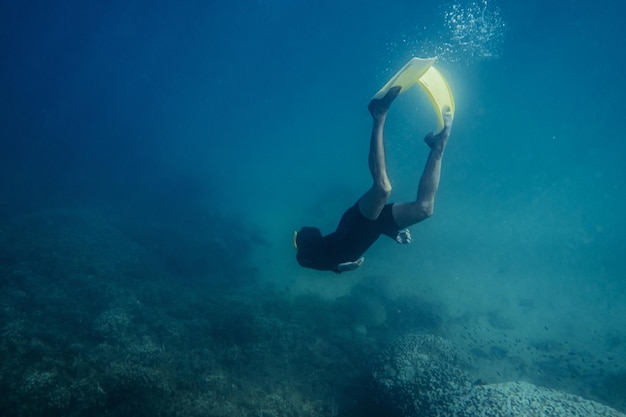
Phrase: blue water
x=205 y=132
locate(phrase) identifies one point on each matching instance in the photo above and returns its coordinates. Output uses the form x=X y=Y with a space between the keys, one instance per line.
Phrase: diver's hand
x=350 y=266
x=404 y=236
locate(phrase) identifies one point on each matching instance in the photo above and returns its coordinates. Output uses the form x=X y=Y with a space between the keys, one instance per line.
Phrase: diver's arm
x=350 y=266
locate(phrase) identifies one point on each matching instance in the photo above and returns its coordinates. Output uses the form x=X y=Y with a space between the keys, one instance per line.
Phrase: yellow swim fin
x=439 y=93
x=407 y=76
x=421 y=71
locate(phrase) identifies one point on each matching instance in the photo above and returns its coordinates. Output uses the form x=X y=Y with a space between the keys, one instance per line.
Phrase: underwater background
x=156 y=157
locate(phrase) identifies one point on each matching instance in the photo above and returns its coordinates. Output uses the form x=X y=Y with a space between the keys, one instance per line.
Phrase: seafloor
x=105 y=315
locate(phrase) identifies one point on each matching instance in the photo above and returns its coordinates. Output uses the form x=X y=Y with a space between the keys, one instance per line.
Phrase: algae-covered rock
x=417 y=373
x=523 y=399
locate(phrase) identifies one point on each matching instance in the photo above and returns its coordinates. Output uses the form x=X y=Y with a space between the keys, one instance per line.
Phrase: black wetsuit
x=354 y=235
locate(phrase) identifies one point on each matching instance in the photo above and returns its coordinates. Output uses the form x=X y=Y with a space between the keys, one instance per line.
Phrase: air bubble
x=468 y=32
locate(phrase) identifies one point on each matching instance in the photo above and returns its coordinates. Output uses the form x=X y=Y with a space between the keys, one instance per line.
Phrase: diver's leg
x=407 y=214
x=373 y=201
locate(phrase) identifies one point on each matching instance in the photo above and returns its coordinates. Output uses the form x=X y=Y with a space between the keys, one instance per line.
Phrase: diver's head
x=307 y=242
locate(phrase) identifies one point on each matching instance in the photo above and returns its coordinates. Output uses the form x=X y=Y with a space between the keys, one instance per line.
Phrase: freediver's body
x=372 y=215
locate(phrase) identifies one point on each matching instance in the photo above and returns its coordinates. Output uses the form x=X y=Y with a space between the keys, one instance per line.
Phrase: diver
x=362 y=224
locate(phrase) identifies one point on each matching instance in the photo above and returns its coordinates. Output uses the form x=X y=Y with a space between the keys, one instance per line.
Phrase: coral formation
x=101 y=316
x=524 y=399
x=417 y=373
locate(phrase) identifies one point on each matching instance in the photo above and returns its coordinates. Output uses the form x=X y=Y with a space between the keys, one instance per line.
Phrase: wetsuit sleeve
x=328 y=256
x=393 y=234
